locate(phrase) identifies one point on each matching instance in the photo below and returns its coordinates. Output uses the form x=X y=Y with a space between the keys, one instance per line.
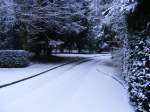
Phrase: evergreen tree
x=130 y=20
x=139 y=60
x=7 y=20
x=42 y=20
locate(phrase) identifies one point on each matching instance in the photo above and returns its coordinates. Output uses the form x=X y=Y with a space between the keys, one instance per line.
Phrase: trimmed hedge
x=14 y=58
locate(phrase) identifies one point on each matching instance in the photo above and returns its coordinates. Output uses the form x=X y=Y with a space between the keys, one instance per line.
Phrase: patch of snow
x=8 y=75
x=77 y=88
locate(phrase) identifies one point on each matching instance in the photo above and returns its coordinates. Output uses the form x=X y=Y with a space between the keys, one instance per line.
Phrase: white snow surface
x=12 y=74
x=77 y=87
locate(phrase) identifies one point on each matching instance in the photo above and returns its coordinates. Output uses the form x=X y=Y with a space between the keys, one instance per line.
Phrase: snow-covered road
x=77 y=87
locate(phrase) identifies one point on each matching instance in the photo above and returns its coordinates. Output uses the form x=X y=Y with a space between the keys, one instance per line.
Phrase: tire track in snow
x=113 y=77
x=41 y=73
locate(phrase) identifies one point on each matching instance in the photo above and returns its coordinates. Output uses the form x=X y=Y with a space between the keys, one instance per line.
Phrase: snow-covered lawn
x=8 y=75
x=12 y=74
x=77 y=87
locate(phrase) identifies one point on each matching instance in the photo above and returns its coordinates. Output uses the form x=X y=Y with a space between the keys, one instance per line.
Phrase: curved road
x=71 y=88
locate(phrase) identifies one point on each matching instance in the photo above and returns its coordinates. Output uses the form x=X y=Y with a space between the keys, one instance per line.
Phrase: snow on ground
x=12 y=74
x=78 y=87
x=104 y=55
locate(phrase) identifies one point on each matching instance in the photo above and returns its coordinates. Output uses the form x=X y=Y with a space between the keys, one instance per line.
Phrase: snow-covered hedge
x=14 y=58
x=133 y=26
x=139 y=90
x=139 y=56
x=138 y=74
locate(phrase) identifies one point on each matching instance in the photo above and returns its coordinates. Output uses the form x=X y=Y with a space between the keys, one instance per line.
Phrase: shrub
x=14 y=58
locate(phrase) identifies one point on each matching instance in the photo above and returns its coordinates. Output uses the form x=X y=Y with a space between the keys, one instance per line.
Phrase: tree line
x=32 y=24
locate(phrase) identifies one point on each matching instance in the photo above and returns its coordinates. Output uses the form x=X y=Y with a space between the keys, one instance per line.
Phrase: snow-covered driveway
x=77 y=87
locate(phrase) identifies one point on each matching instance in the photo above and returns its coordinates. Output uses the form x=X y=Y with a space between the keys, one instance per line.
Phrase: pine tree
x=43 y=20
x=7 y=20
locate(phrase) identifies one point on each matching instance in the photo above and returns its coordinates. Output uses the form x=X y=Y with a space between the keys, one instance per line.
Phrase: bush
x=14 y=58
x=138 y=73
x=139 y=90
